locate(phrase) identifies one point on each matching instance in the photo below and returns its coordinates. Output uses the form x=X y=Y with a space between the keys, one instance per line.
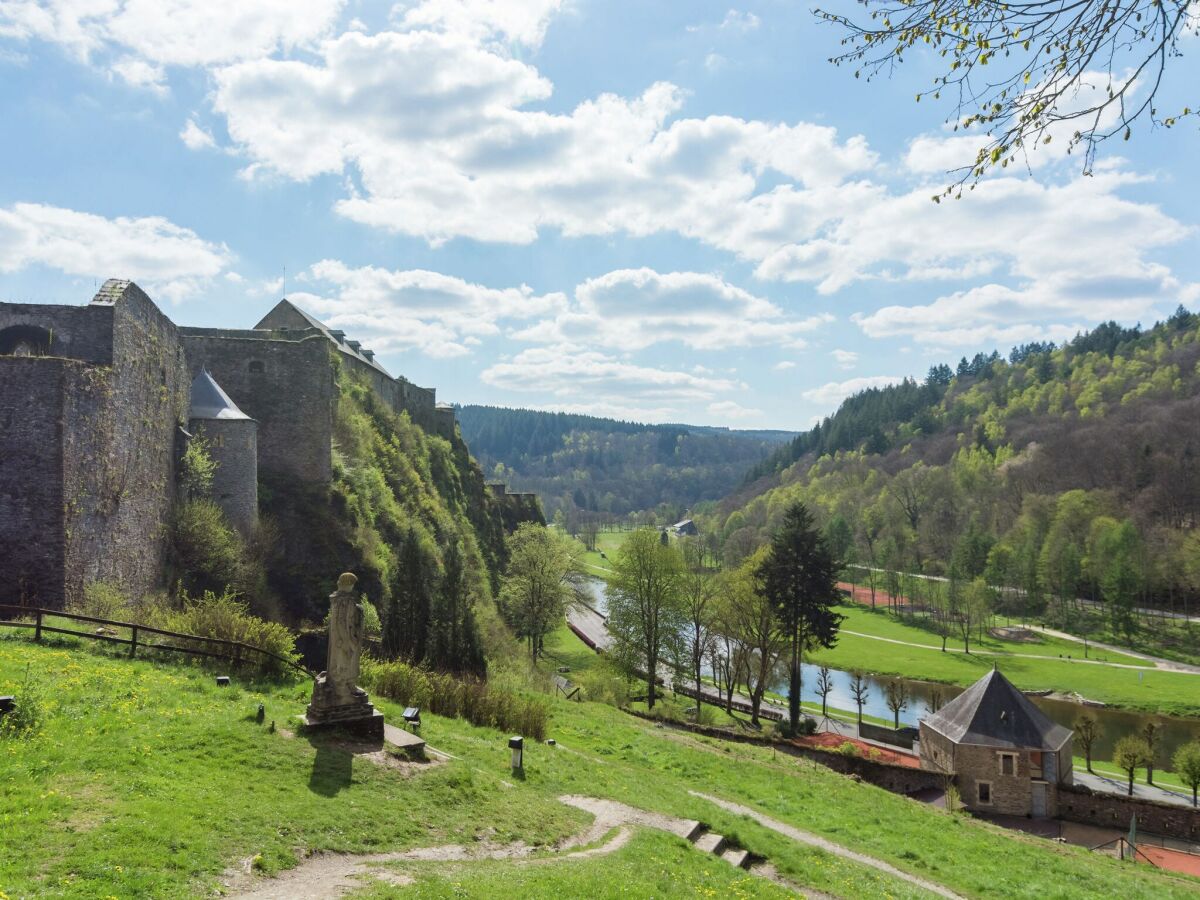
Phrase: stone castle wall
x=121 y=447
x=32 y=529
x=286 y=386
x=77 y=332
x=233 y=446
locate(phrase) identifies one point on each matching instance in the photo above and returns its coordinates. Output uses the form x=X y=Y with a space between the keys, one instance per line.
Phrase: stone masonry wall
x=77 y=332
x=1078 y=804
x=233 y=446
x=121 y=447
x=286 y=386
x=32 y=536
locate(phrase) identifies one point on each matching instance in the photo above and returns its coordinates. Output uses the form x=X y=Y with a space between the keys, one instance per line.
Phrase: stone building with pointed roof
x=1005 y=754
x=231 y=439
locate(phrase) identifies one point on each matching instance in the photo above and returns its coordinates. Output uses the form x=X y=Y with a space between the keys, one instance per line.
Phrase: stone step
x=689 y=829
x=710 y=842
x=737 y=858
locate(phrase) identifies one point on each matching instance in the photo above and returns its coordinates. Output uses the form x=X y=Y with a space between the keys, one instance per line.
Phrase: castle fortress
x=97 y=404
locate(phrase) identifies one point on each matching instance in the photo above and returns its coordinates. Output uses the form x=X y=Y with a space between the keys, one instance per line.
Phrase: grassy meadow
x=144 y=779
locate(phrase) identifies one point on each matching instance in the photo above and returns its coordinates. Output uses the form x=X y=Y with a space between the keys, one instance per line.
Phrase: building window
x=985 y=792
x=256 y=366
x=1008 y=764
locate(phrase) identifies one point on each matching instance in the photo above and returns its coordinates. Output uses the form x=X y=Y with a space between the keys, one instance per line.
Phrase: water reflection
x=1115 y=723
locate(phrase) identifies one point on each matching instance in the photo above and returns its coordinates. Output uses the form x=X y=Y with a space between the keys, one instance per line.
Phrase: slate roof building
x=686 y=528
x=1005 y=754
x=231 y=439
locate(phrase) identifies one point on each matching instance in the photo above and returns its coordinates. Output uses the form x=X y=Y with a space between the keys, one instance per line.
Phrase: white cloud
x=439 y=315
x=831 y=394
x=441 y=134
x=846 y=359
x=149 y=34
x=632 y=309
x=196 y=138
x=570 y=372
x=168 y=261
x=523 y=21
x=729 y=410
x=714 y=62
x=784 y=366
x=139 y=73
x=740 y=21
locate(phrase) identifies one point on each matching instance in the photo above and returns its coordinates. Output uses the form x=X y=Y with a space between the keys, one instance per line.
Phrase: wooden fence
x=196 y=645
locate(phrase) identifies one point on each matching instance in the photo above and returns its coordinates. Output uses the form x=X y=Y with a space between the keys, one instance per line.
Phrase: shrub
x=603 y=685
x=849 y=748
x=808 y=726
x=207 y=551
x=227 y=618
x=102 y=601
x=27 y=713
x=461 y=698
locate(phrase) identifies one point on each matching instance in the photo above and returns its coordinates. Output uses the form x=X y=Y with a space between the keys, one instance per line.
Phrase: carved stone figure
x=337 y=700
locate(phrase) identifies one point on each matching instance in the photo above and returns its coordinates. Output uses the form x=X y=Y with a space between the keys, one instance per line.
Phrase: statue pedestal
x=330 y=709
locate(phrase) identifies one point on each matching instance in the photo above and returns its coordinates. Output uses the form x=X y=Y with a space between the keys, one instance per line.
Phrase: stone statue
x=337 y=700
x=345 y=640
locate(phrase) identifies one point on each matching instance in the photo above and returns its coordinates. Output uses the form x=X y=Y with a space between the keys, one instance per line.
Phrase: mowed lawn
x=1168 y=693
x=147 y=780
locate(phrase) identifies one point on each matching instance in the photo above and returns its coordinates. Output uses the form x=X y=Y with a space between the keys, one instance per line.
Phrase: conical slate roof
x=210 y=402
x=993 y=713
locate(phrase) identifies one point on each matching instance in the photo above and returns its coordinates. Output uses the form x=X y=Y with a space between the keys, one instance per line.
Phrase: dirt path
x=1167 y=665
x=813 y=840
x=327 y=876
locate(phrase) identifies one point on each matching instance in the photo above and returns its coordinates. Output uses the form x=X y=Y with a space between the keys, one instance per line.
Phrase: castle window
x=25 y=340
x=1008 y=764
x=256 y=366
x=985 y=792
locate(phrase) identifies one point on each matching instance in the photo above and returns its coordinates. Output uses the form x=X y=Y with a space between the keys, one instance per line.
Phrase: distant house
x=686 y=528
x=1006 y=756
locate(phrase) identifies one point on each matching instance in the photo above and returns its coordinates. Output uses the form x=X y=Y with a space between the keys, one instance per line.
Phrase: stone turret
x=232 y=440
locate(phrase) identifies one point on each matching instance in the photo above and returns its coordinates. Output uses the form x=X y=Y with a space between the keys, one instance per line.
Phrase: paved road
x=1142 y=791
x=589 y=625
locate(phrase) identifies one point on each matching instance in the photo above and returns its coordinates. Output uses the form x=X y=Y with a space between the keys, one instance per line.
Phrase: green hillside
x=144 y=779
x=584 y=465
x=1059 y=473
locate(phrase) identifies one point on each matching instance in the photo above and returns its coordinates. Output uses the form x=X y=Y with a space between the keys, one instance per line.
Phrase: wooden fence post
x=133 y=641
x=37 y=632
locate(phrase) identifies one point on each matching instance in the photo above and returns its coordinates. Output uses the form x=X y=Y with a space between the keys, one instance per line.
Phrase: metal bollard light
x=517 y=745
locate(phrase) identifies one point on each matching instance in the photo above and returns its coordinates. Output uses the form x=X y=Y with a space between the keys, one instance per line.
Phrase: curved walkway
x=1158 y=664
x=813 y=840
x=1167 y=665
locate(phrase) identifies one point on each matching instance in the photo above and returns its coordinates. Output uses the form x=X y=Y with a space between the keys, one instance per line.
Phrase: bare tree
x=896 y=694
x=1027 y=73
x=1088 y=731
x=1151 y=733
x=824 y=688
x=860 y=690
x=699 y=592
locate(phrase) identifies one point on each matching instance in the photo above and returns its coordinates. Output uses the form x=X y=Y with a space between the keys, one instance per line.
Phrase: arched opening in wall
x=256 y=367
x=25 y=340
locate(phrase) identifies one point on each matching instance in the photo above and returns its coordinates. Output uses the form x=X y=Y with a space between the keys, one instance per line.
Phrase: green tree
x=799 y=578
x=699 y=603
x=752 y=621
x=645 y=605
x=1130 y=754
x=1083 y=71
x=539 y=582
x=1117 y=556
x=1187 y=766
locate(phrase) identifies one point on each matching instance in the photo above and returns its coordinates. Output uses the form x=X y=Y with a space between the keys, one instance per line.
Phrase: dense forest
x=583 y=465
x=1056 y=473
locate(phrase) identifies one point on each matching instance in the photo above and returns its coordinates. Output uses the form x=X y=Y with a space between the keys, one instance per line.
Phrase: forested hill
x=1061 y=471
x=583 y=463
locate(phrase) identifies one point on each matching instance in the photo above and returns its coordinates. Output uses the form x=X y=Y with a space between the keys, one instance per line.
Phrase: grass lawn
x=1168 y=693
x=146 y=780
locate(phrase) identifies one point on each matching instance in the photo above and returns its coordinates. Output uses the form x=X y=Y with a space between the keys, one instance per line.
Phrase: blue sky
x=666 y=212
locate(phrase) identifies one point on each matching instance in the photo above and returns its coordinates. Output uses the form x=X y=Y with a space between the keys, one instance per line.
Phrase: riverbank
x=877 y=642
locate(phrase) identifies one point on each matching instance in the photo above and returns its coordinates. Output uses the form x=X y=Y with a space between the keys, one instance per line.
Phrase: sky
x=665 y=212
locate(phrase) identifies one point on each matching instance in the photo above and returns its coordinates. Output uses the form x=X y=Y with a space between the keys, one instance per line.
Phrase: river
x=1115 y=723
